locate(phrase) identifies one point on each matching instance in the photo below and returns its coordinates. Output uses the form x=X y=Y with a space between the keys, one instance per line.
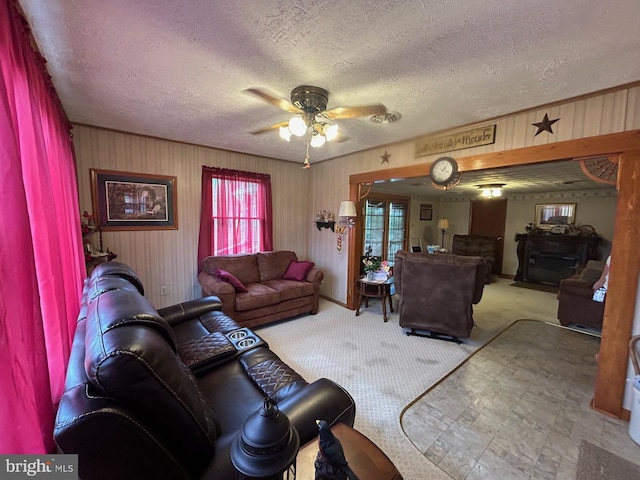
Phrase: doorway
x=625 y=267
x=488 y=218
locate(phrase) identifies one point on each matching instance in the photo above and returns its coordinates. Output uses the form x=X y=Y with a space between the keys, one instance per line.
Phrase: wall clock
x=455 y=181
x=443 y=170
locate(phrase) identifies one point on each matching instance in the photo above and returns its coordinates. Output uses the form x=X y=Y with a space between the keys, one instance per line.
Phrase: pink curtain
x=41 y=259
x=236 y=213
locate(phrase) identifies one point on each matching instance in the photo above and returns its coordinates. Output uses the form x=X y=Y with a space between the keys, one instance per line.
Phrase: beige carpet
x=385 y=370
x=536 y=286
x=595 y=463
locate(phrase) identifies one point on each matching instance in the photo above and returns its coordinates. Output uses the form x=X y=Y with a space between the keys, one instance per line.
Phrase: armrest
x=212 y=285
x=181 y=312
x=320 y=400
x=315 y=275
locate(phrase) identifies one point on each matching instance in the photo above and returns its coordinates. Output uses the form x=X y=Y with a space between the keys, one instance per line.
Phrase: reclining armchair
x=476 y=246
x=437 y=292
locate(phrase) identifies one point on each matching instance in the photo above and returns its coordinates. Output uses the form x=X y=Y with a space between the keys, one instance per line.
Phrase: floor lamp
x=443 y=224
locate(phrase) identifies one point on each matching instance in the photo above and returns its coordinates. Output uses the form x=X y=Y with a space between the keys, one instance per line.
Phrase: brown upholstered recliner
x=476 y=246
x=437 y=292
x=575 y=297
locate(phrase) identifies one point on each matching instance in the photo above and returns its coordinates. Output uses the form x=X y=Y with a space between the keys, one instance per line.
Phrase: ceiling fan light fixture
x=297 y=126
x=331 y=132
x=285 y=133
x=317 y=140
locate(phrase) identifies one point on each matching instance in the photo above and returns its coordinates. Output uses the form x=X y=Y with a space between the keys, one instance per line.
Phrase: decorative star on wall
x=385 y=157
x=544 y=125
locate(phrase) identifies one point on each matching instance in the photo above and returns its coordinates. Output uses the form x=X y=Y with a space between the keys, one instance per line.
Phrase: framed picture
x=134 y=201
x=553 y=214
x=426 y=214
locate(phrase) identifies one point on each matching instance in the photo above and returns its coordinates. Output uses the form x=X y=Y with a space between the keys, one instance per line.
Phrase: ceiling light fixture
x=300 y=125
x=491 y=190
x=312 y=101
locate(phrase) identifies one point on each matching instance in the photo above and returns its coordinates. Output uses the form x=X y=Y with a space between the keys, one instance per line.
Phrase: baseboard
x=335 y=301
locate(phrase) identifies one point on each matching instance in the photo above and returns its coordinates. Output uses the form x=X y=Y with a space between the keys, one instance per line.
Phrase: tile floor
x=517 y=409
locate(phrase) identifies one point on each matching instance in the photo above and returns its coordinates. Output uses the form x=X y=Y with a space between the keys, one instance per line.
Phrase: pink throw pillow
x=298 y=270
x=230 y=279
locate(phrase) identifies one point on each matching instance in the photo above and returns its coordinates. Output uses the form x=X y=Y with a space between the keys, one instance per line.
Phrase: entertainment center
x=548 y=258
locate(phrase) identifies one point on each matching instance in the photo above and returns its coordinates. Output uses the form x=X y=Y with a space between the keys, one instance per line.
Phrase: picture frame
x=134 y=201
x=426 y=214
x=550 y=215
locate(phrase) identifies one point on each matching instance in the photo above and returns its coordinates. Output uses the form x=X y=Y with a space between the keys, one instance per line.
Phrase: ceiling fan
x=309 y=106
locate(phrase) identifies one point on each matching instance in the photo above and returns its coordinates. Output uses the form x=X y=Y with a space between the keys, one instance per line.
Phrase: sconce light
x=348 y=210
x=491 y=190
x=267 y=446
x=443 y=224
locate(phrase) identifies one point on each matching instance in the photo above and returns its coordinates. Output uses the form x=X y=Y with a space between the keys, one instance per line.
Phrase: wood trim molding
x=603 y=145
x=623 y=287
x=625 y=258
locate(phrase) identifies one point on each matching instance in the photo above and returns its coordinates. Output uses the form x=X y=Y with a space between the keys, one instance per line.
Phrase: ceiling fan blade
x=273 y=100
x=339 y=113
x=270 y=128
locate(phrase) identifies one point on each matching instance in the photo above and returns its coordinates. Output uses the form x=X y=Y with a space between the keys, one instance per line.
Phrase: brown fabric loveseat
x=437 y=292
x=269 y=295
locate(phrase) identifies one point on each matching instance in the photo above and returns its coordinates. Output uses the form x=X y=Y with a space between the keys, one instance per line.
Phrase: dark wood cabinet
x=549 y=258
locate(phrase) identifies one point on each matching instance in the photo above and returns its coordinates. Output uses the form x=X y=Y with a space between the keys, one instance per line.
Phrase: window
x=385 y=227
x=236 y=213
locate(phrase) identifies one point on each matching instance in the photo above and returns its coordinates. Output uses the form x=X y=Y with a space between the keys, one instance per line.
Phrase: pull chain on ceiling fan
x=307 y=104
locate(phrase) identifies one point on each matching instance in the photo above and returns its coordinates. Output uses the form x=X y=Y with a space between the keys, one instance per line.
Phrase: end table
x=375 y=289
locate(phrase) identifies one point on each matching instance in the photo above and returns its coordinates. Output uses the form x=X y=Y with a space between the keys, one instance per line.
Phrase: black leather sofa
x=162 y=393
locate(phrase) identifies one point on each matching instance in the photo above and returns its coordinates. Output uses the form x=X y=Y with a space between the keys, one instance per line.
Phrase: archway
x=625 y=268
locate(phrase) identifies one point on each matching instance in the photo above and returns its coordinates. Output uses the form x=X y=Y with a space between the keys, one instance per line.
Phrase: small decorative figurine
x=330 y=463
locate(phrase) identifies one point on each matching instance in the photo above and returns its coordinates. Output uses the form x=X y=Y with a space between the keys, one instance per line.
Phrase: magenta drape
x=239 y=218
x=41 y=259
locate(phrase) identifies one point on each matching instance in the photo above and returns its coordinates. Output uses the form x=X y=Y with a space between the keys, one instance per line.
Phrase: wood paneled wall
x=168 y=257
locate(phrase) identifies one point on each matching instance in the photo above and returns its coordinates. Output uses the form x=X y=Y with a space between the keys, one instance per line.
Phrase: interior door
x=488 y=218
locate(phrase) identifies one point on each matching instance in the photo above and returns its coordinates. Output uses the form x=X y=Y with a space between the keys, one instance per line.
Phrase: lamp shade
x=347 y=209
x=443 y=224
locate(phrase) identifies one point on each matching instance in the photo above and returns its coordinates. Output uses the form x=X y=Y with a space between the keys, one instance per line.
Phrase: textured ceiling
x=177 y=70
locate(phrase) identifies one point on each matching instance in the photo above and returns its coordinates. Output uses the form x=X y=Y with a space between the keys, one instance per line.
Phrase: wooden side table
x=376 y=289
x=364 y=457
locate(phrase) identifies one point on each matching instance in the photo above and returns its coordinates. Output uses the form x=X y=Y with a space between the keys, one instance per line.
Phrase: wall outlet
x=163 y=290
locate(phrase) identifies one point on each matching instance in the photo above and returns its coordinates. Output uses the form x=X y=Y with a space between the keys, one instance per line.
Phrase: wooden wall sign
x=456 y=141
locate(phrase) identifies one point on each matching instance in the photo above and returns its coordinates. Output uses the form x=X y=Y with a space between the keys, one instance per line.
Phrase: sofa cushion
x=258 y=295
x=117 y=269
x=128 y=357
x=230 y=278
x=290 y=289
x=272 y=265
x=298 y=270
x=590 y=275
x=244 y=266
